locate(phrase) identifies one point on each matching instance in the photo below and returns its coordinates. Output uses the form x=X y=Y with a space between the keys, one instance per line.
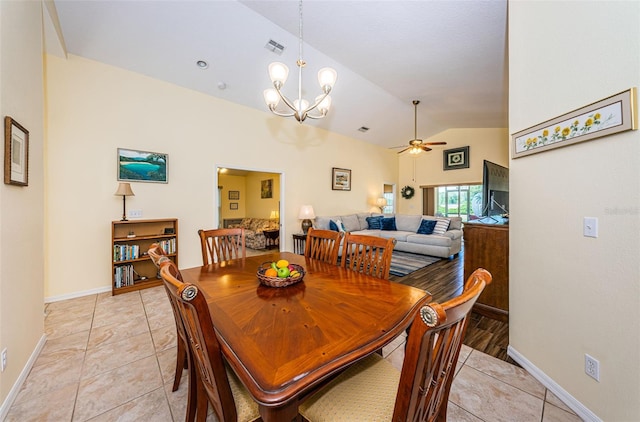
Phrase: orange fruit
x=271 y=273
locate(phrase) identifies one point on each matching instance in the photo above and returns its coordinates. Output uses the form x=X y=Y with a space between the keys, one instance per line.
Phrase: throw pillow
x=336 y=226
x=375 y=223
x=426 y=226
x=389 y=223
x=441 y=226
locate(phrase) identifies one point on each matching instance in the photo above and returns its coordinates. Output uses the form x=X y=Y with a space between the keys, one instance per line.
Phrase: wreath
x=407 y=192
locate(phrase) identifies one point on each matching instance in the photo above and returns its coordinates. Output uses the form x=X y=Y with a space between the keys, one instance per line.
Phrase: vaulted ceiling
x=449 y=54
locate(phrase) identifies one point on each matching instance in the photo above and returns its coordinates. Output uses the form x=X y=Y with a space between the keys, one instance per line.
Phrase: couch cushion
x=374 y=223
x=322 y=223
x=456 y=223
x=400 y=236
x=388 y=223
x=336 y=225
x=408 y=223
x=426 y=227
x=350 y=222
x=362 y=219
x=442 y=225
x=428 y=239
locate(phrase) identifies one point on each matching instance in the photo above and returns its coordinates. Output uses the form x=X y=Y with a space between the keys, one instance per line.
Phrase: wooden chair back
x=158 y=257
x=433 y=346
x=323 y=245
x=367 y=254
x=222 y=245
x=205 y=346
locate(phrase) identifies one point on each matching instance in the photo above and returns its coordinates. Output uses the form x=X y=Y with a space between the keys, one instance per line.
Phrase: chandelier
x=299 y=108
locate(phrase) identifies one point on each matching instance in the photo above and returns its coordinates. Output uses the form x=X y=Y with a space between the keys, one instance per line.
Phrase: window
x=390 y=197
x=459 y=201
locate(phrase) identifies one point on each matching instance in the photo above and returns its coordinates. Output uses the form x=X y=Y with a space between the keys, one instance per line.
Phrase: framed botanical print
x=16 y=153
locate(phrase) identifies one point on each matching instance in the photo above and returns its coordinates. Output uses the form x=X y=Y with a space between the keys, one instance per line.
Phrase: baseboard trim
x=58 y=298
x=580 y=410
x=13 y=393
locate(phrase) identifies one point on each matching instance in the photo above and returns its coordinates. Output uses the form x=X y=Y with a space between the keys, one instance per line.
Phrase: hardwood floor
x=444 y=280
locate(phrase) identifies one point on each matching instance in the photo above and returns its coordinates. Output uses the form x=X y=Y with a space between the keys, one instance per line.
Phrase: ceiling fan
x=416 y=146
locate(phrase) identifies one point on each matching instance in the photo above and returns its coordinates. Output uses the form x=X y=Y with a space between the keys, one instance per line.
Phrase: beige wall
x=21 y=208
x=569 y=294
x=94 y=109
x=425 y=169
x=232 y=183
x=257 y=206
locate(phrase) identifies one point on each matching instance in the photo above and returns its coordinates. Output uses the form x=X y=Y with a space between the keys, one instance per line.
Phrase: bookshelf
x=131 y=267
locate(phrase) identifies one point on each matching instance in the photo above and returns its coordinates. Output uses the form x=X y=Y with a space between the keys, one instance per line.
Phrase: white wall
x=94 y=109
x=426 y=169
x=21 y=208
x=569 y=294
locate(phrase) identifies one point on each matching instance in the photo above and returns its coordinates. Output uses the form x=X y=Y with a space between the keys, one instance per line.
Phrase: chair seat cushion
x=246 y=407
x=366 y=391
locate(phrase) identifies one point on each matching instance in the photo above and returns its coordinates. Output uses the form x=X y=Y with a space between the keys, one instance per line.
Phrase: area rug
x=403 y=263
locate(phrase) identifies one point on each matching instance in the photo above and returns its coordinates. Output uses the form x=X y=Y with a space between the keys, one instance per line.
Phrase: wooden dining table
x=284 y=342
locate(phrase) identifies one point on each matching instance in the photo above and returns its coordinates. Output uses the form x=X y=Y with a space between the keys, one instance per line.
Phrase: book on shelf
x=123 y=276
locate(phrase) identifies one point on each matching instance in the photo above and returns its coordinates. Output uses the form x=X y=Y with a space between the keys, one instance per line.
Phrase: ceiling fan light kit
x=416 y=146
x=299 y=108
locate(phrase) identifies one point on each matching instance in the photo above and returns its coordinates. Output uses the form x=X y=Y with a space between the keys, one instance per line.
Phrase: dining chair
x=367 y=254
x=323 y=245
x=216 y=381
x=183 y=358
x=157 y=255
x=222 y=245
x=373 y=389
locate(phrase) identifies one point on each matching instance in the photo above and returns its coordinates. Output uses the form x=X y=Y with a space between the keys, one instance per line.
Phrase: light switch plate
x=590 y=227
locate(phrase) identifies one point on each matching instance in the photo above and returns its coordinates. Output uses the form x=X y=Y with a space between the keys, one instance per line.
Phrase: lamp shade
x=381 y=202
x=124 y=189
x=306 y=212
x=274 y=214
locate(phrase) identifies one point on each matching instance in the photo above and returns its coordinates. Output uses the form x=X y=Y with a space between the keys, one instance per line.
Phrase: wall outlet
x=592 y=367
x=135 y=214
x=3 y=359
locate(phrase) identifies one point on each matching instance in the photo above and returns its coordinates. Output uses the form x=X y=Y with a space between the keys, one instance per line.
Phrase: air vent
x=363 y=129
x=275 y=47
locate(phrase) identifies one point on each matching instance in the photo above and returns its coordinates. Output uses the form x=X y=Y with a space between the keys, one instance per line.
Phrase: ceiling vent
x=363 y=129
x=275 y=47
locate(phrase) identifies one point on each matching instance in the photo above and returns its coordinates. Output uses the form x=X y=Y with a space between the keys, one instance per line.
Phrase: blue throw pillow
x=333 y=226
x=426 y=226
x=389 y=223
x=375 y=223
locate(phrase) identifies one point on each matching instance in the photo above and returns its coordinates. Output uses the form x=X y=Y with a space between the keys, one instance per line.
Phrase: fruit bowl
x=279 y=281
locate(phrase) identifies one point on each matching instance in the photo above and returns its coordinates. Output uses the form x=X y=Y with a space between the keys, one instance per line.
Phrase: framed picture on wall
x=456 y=158
x=142 y=166
x=16 y=153
x=266 y=189
x=340 y=179
x=234 y=195
x=233 y=205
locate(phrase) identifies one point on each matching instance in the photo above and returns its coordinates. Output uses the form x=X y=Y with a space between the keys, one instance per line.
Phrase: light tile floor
x=112 y=358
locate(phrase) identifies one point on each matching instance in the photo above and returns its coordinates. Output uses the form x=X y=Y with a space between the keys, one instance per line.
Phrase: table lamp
x=381 y=203
x=274 y=215
x=124 y=189
x=306 y=215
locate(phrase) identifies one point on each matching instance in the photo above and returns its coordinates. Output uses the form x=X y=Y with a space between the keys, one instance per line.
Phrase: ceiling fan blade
x=425 y=148
x=399 y=146
x=400 y=152
x=435 y=143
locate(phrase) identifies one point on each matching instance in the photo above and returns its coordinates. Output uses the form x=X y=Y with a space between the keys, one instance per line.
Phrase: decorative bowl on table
x=296 y=274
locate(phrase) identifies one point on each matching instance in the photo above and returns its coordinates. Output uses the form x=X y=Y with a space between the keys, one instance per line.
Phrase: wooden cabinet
x=131 y=267
x=487 y=246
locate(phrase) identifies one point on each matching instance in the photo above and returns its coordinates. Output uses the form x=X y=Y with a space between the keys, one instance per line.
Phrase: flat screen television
x=495 y=189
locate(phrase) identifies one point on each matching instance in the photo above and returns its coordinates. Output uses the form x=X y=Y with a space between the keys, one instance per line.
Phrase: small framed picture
x=340 y=179
x=16 y=153
x=266 y=189
x=234 y=195
x=233 y=205
x=456 y=158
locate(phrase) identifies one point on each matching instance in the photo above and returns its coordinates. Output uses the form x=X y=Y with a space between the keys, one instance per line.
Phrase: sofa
x=254 y=237
x=444 y=239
